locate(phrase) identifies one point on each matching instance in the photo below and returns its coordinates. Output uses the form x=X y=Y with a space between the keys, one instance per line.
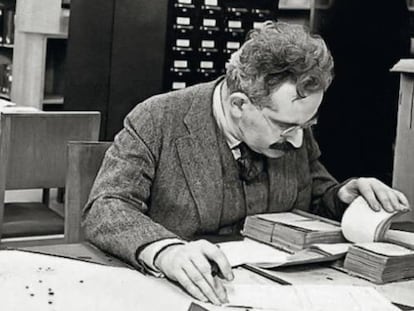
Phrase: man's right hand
x=189 y=265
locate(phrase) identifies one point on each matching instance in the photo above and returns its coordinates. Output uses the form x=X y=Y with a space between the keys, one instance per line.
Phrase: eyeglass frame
x=308 y=124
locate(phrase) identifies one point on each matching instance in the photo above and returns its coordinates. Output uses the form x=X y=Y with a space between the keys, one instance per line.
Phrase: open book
x=297 y=237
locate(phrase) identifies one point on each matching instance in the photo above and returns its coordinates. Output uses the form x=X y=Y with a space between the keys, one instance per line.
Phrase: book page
x=30 y=281
x=403 y=238
x=386 y=249
x=361 y=224
x=316 y=225
x=293 y=219
x=284 y=218
x=307 y=297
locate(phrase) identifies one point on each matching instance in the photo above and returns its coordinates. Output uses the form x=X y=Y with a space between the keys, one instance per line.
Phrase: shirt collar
x=222 y=121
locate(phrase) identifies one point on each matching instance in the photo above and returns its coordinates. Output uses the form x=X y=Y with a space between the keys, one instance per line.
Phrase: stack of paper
x=292 y=231
x=380 y=262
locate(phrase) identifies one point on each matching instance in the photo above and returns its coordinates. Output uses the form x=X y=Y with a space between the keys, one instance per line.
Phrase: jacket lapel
x=200 y=159
x=282 y=182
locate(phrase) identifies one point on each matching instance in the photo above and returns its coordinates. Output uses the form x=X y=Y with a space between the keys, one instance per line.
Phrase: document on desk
x=306 y=298
x=262 y=255
x=32 y=282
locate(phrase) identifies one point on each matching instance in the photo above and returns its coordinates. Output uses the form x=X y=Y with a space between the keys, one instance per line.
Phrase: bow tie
x=250 y=163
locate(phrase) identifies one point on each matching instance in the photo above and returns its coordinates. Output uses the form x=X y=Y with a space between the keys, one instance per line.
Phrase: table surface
x=400 y=293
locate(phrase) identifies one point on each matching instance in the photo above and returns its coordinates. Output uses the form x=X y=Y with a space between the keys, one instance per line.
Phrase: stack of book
x=380 y=262
x=292 y=231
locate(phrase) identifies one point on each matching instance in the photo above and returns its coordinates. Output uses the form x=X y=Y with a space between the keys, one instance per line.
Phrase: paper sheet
x=249 y=251
x=361 y=224
x=252 y=252
x=33 y=282
x=308 y=297
x=332 y=249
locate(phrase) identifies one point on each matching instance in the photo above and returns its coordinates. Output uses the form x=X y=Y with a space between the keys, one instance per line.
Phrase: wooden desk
x=401 y=293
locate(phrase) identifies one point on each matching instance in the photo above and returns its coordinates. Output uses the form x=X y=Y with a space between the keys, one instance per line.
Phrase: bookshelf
x=41 y=29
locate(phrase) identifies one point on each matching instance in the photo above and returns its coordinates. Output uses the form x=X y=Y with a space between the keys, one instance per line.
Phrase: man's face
x=268 y=130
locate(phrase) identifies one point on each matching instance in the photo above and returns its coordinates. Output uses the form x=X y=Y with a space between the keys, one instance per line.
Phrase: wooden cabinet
x=115 y=57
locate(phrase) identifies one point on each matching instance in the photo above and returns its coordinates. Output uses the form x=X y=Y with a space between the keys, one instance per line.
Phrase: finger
x=403 y=200
x=381 y=193
x=368 y=194
x=221 y=289
x=395 y=202
x=199 y=280
x=215 y=254
x=203 y=265
x=189 y=286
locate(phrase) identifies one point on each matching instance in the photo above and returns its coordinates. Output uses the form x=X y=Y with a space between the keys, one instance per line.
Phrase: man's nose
x=295 y=138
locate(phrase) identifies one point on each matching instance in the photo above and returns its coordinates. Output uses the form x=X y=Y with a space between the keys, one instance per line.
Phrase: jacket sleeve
x=115 y=217
x=325 y=201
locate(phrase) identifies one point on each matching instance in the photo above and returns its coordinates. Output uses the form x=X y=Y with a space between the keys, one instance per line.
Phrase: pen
x=215 y=270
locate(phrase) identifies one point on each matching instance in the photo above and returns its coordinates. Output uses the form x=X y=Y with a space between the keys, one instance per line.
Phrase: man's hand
x=191 y=266
x=377 y=194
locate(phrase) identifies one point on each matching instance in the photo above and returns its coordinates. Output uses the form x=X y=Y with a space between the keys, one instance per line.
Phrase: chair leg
x=60 y=195
x=46 y=196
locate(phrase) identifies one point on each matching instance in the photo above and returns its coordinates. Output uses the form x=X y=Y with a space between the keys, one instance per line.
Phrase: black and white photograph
x=206 y=155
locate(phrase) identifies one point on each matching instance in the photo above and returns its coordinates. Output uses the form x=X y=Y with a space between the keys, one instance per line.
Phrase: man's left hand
x=377 y=194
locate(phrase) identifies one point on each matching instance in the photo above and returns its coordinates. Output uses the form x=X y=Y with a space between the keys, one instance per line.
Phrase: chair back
x=84 y=161
x=33 y=148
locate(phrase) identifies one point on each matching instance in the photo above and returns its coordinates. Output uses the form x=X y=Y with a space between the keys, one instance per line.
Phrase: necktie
x=250 y=163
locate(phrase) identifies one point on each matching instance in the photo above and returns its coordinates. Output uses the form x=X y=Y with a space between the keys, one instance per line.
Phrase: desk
x=400 y=293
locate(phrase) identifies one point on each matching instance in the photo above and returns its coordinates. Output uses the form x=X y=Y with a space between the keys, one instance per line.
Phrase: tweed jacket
x=161 y=178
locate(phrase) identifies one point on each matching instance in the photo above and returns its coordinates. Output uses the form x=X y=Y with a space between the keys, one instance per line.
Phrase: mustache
x=282 y=146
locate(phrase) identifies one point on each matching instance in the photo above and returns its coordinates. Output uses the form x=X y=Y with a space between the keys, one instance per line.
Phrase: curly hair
x=275 y=53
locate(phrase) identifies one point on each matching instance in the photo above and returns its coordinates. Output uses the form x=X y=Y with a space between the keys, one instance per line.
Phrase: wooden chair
x=33 y=156
x=84 y=161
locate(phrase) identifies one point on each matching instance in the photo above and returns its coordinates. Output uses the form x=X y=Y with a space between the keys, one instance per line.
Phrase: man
x=197 y=161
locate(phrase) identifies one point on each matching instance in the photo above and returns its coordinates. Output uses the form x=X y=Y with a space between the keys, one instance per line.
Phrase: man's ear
x=237 y=103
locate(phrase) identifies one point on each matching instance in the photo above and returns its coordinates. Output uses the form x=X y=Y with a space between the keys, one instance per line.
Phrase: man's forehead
x=286 y=95
x=286 y=105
